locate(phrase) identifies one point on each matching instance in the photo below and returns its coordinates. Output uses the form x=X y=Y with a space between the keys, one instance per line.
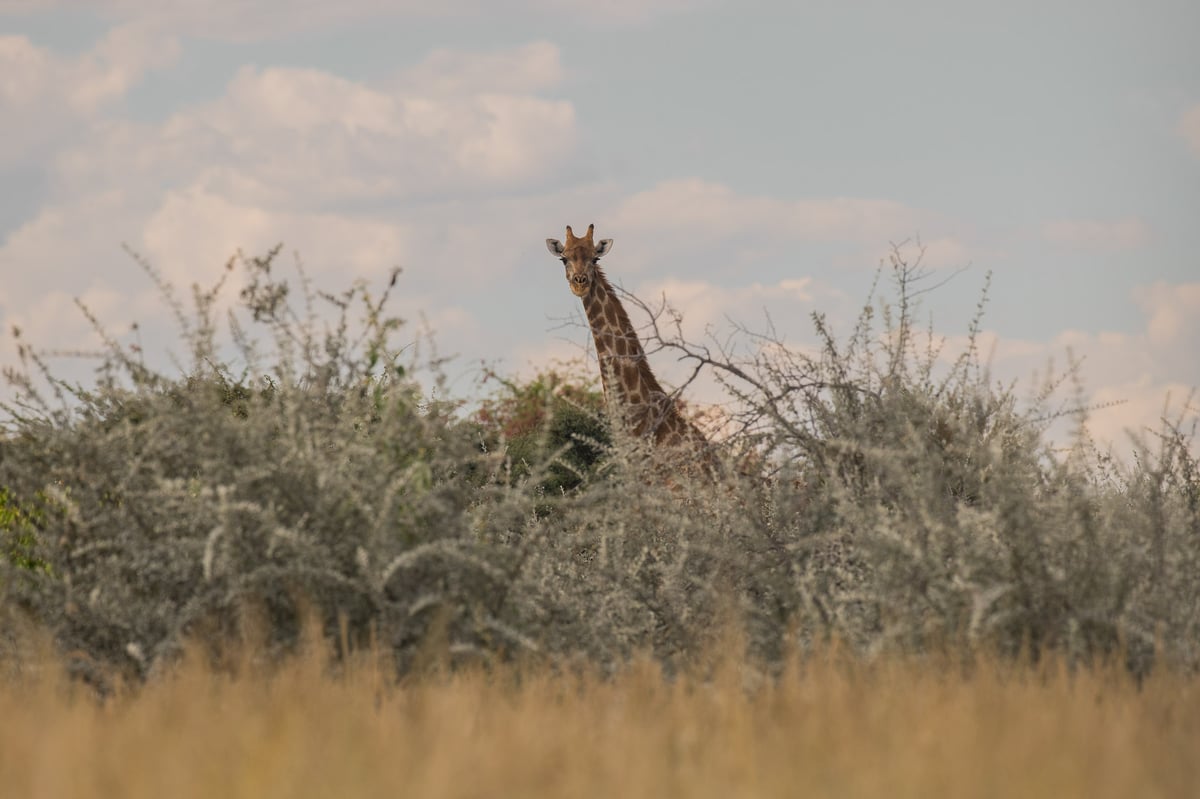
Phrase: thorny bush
x=870 y=494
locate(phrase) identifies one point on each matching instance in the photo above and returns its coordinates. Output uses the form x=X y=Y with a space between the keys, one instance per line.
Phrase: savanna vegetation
x=907 y=587
x=830 y=724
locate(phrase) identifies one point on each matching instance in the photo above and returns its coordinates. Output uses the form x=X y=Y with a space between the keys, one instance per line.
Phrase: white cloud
x=1138 y=408
x=704 y=305
x=34 y=76
x=1094 y=235
x=54 y=322
x=194 y=232
x=1173 y=328
x=73 y=249
x=45 y=97
x=1173 y=310
x=71 y=246
x=1131 y=373
x=119 y=60
x=700 y=221
x=705 y=210
x=188 y=239
x=533 y=67
x=1189 y=129
x=282 y=151
x=299 y=138
x=943 y=252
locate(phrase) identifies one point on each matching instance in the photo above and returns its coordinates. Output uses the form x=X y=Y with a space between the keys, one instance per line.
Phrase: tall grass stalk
x=829 y=724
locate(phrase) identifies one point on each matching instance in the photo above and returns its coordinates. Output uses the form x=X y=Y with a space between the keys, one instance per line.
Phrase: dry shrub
x=900 y=507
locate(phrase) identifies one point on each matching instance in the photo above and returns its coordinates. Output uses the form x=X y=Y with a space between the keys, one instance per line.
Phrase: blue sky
x=745 y=157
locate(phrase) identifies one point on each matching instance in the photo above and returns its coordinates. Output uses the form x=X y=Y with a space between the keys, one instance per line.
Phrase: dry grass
x=830 y=727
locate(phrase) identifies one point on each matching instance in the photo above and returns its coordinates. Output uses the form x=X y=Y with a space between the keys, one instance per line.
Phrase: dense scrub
x=876 y=491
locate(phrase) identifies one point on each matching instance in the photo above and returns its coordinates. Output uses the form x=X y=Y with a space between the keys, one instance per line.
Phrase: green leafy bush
x=555 y=418
x=19 y=532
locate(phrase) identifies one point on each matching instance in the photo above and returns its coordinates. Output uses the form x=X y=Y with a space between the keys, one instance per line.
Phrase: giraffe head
x=580 y=256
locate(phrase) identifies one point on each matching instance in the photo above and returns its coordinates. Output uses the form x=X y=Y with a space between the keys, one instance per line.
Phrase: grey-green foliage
x=934 y=511
x=168 y=506
x=872 y=496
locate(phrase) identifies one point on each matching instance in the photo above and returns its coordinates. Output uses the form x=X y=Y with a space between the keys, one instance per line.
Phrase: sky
x=748 y=158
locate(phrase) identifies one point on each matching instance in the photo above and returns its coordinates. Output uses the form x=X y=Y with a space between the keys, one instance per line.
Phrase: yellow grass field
x=829 y=728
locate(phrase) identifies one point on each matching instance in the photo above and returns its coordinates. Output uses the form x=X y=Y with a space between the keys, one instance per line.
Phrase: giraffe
x=625 y=373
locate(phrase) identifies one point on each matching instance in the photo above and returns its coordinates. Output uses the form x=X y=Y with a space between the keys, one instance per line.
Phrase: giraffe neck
x=626 y=377
x=624 y=371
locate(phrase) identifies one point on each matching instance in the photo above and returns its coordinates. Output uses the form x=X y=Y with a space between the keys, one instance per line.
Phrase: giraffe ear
x=555 y=247
x=603 y=247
